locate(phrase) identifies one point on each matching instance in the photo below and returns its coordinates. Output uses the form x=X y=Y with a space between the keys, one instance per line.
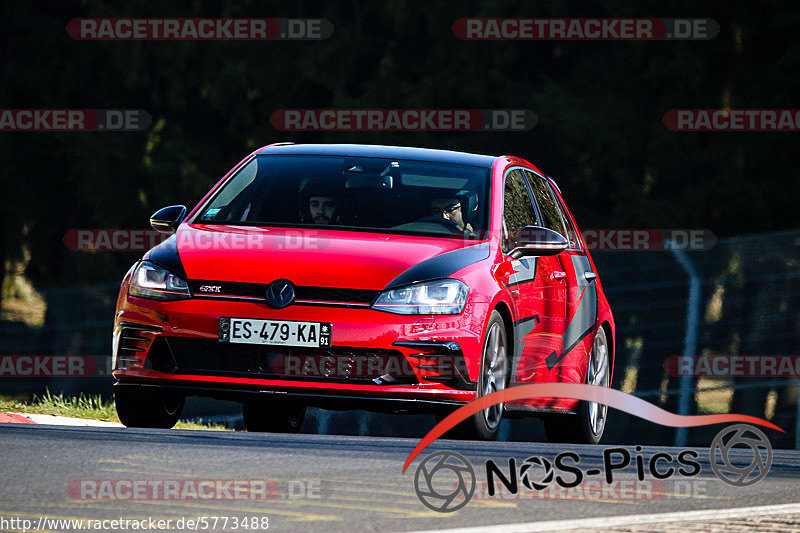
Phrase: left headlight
x=151 y=281
x=441 y=297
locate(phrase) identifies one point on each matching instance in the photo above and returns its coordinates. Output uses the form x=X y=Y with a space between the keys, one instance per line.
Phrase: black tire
x=581 y=428
x=138 y=409
x=273 y=416
x=485 y=424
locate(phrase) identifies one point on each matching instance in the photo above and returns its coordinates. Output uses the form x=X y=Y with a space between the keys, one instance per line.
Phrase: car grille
x=303 y=293
x=332 y=294
x=182 y=355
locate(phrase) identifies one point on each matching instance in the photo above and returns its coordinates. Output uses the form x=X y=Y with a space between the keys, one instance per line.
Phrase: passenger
x=450 y=209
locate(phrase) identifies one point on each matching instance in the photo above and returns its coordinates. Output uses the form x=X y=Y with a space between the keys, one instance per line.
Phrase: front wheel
x=495 y=371
x=273 y=416
x=137 y=409
x=587 y=426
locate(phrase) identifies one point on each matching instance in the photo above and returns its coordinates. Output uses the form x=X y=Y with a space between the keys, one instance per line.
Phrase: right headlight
x=152 y=281
x=440 y=297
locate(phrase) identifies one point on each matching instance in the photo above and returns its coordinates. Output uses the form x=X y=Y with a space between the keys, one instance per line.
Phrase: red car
x=366 y=277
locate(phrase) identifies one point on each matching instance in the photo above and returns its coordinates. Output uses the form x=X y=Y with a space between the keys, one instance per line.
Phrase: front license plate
x=275 y=332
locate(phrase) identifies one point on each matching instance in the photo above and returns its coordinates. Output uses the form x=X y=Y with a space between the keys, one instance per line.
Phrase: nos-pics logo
x=445 y=481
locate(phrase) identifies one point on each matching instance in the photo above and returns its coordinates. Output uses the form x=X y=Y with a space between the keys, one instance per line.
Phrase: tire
x=273 y=416
x=494 y=376
x=137 y=409
x=589 y=422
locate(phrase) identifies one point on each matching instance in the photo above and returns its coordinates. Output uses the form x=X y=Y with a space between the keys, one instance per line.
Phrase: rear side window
x=573 y=241
x=518 y=210
x=547 y=205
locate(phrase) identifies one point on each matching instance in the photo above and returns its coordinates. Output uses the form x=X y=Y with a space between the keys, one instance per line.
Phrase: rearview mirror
x=534 y=240
x=369 y=181
x=167 y=219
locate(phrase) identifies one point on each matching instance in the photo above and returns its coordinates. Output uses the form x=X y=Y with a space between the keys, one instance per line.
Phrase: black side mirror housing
x=535 y=240
x=167 y=219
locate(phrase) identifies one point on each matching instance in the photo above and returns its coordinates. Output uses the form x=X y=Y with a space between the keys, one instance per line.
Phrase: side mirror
x=167 y=219
x=534 y=240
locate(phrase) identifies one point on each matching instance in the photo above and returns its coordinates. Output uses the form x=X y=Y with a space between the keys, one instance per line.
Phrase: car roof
x=374 y=150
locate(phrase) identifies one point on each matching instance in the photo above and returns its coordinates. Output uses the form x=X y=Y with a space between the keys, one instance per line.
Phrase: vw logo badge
x=280 y=293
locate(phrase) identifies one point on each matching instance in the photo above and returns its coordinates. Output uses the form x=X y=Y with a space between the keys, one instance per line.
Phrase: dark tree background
x=600 y=107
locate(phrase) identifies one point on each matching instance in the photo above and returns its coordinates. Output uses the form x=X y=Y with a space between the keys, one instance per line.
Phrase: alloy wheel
x=495 y=372
x=598 y=374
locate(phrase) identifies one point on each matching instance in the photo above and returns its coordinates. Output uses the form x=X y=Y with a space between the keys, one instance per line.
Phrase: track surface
x=356 y=483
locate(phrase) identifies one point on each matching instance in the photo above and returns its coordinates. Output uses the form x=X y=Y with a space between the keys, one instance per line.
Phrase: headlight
x=151 y=281
x=441 y=297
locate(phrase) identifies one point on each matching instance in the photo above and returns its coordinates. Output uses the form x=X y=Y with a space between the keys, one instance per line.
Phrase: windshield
x=357 y=193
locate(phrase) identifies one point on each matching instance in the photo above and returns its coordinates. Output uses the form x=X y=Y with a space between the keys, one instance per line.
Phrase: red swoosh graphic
x=590 y=393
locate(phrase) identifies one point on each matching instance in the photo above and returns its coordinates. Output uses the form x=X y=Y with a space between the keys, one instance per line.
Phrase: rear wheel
x=139 y=409
x=273 y=416
x=495 y=370
x=587 y=426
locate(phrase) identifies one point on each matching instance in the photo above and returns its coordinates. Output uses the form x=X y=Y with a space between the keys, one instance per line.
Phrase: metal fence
x=741 y=297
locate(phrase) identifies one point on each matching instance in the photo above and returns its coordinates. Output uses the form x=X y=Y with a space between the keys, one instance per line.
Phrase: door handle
x=589 y=275
x=557 y=274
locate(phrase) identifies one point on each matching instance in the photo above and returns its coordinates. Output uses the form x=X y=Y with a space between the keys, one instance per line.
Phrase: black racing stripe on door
x=166 y=255
x=585 y=318
x=527 y=319
x=522 y=328
x=525 y=271
x=441 y=266
x=553 y=359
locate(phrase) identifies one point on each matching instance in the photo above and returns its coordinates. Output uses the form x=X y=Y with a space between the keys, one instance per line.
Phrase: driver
x=319 y=203
x=450 y=209
x=323 y=209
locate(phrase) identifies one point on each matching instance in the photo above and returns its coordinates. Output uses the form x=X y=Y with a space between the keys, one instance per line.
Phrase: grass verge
x=82 y=406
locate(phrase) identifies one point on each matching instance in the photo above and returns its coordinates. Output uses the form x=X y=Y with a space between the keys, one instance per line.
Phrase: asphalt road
x=326 y=483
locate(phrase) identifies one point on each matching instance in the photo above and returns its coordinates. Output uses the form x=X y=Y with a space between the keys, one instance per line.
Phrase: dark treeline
x=600 y=107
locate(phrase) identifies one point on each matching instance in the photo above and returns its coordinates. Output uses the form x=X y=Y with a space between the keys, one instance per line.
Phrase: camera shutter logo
x=722 y=459
x=447 y=496
x=536 y=463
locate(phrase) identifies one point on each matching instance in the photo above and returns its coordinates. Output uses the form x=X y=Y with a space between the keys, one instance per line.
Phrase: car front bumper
x=175 y=346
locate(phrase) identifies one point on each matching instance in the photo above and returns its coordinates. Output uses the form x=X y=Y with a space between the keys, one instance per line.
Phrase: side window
x=517 y=209
x=573 y=241
x=230 y=203
x=547 y=206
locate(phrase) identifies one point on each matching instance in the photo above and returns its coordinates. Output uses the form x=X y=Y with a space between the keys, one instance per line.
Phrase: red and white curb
x=13 y=418
x=27 y=418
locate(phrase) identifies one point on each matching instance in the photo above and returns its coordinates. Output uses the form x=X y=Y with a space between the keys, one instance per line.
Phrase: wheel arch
x=505 y=312
x=611 y=345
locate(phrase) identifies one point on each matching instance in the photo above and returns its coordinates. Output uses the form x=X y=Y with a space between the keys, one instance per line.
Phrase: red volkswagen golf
x=366 y=277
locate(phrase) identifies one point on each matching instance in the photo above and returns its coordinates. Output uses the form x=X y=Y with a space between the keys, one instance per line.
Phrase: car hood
x=317 y=257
